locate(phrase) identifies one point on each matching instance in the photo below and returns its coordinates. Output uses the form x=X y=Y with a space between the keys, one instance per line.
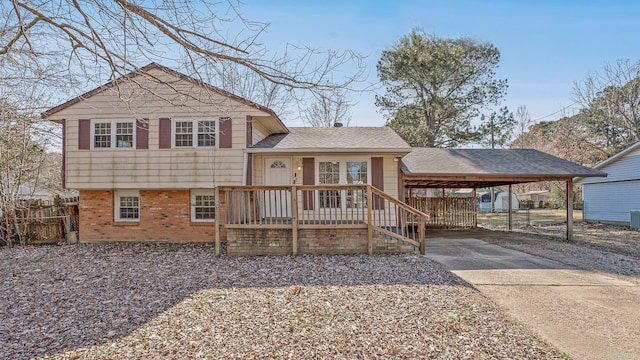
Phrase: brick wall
x=332 y=241
x=245 y=242
x=248 y=242
x=164 y=216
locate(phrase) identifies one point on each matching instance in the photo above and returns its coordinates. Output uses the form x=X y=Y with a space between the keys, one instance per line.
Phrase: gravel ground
x=132 y=301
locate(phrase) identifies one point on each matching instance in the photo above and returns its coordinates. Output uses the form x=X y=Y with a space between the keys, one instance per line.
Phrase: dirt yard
x=150 y=301
x=132 y=301
x=552 y=224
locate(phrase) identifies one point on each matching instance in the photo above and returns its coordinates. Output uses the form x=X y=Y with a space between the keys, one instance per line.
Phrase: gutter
x=326 y=150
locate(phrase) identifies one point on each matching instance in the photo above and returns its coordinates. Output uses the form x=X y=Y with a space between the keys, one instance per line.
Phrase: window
x=352 y=172
x=278 y=165
x=356 y=174
x=113 y=134
x=124 y=135
x=192 y=133
x=203 y=205
x=184 y=134
x=329 y=174
x=102 y=135
x=127 y=205
x=206 y=133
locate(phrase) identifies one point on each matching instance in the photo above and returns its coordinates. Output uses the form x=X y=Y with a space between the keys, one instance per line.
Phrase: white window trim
x=116 y=204
x=192 y=205
x=113 y=133
x=343 y=173
x=194 y=142
x=343 y=168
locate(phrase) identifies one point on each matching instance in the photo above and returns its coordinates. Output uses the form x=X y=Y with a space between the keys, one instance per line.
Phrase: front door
x=277 y=172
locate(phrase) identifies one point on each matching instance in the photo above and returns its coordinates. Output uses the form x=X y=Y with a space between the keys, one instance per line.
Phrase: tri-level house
x=149 y=151
x=160 y=156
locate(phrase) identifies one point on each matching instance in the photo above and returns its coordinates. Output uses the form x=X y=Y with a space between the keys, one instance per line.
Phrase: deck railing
x=398 y=220
x=320 y=206
x=450 y=212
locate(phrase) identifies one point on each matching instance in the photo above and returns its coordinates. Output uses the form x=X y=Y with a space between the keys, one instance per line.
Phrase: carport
x=428 y=168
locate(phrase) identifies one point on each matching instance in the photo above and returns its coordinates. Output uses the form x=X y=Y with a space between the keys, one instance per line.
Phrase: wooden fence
x=448 y=212
x=45 y=221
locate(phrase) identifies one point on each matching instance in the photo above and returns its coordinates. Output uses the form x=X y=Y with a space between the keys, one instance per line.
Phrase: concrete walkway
x=587 y=315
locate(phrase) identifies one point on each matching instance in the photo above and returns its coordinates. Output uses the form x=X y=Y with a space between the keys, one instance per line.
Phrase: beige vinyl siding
x=155 y=168
x=259 y=132
x=165 y=97
x=390 y=168
x=257 y=170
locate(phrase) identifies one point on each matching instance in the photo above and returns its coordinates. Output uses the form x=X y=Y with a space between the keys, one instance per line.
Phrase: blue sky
x=545 y=46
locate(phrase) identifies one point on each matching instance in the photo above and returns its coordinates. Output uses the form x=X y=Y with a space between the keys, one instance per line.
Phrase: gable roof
x=147 y=68
x=487 y=167
x=334 y=139
x=616 y=157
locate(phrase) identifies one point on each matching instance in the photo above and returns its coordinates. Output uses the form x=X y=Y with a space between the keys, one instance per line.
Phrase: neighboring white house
x=536 y=196
x=501 y=203
x=36 y=191
x=612 y=198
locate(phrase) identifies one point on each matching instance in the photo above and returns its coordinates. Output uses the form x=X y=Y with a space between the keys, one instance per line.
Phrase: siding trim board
x=249 y=131
x=64 y=153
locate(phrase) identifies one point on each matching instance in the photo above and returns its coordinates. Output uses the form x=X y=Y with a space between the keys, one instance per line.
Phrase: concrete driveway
x=586 y=314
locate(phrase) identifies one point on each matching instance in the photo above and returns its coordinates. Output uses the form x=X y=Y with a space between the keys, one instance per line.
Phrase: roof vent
x=337 y=124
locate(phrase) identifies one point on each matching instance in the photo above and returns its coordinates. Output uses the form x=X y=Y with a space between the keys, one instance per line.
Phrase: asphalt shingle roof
x=503 y=162
x=336 y=138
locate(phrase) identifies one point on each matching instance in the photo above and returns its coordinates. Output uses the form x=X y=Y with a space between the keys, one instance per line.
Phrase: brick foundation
x=164 y=216
x=251 y=242
x=248 y=242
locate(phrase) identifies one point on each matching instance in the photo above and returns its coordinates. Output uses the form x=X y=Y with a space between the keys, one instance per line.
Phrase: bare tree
x=523 y=123
x=23 y=162
x=328 y=109
x=250 y=85
x=111 y=38
x=611 y=104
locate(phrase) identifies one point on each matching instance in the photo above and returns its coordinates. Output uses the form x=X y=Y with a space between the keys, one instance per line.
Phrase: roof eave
x=617 y=156
x=400 y=151
x=519 y=176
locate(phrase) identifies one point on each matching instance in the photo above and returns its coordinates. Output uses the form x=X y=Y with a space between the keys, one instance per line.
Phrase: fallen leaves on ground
x=155 y=301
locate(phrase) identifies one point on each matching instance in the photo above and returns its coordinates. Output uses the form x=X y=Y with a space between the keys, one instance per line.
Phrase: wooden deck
x=339 y=207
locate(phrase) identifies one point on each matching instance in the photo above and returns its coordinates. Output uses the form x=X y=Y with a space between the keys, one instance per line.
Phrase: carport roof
x=476 y=168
